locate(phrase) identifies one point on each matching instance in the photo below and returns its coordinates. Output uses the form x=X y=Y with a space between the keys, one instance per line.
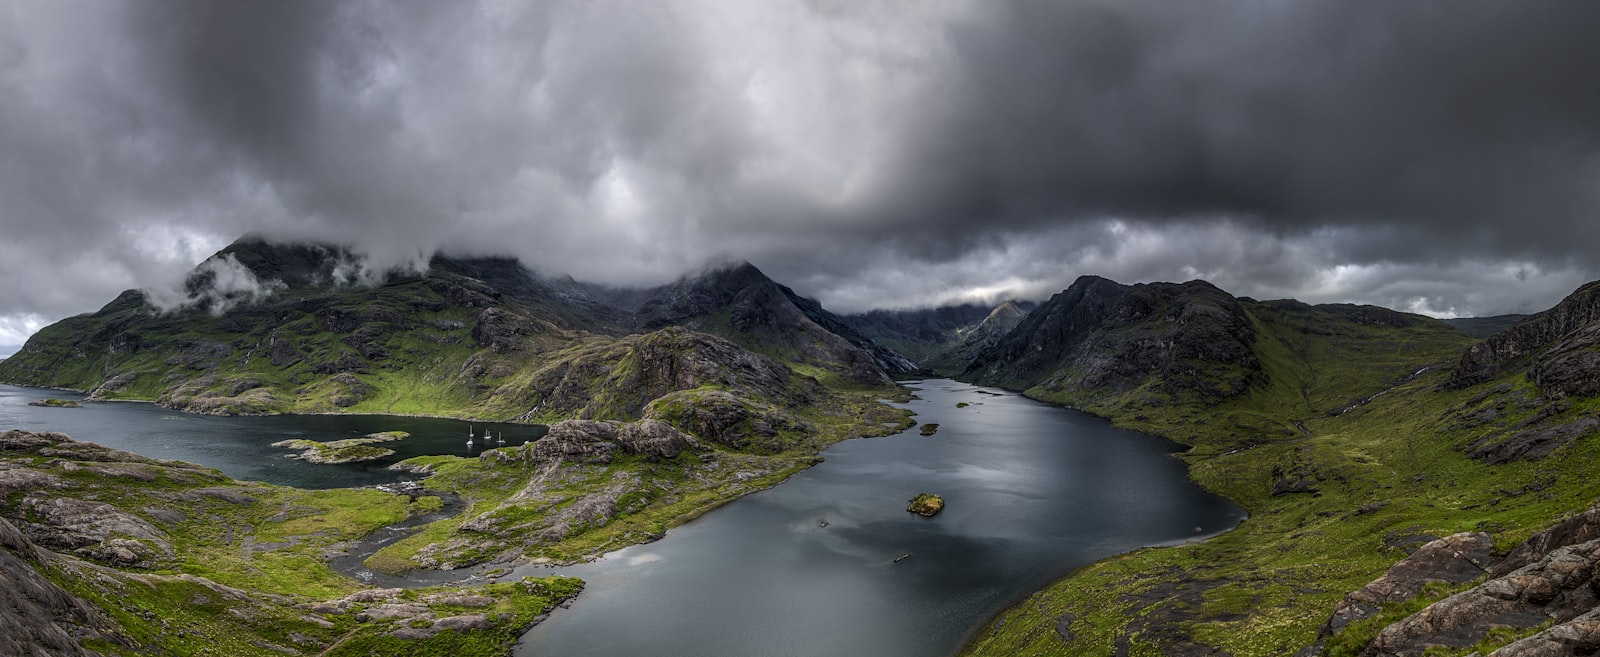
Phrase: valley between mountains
x=1413 y=487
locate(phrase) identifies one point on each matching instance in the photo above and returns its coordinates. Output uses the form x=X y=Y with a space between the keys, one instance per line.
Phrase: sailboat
x=469 y=435
x=501 y=438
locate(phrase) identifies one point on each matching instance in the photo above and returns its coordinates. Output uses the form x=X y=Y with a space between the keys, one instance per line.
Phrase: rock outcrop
x=1456 y=558
x=591 y=441
x=1560 y=587
x=38 y=616
x=1552 y=579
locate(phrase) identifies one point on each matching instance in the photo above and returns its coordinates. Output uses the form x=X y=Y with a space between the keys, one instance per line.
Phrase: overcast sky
x=1440 y=157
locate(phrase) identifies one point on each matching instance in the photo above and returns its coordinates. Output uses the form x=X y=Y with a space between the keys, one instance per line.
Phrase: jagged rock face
x=1569 y=368
x=653 y=438
x=1561 y=586
x=1581 y=528
x=1193 y=339
x=581 y=441
x=39 y=617
x=1577 y=637
x=1553 y=577
x=1456 y=558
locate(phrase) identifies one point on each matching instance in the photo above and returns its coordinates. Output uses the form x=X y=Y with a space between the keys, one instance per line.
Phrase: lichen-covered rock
x=39 y=617
x=581 y=441
x=653 y=438
x=1559 y=587
x=1456 y=558
x=93 y=529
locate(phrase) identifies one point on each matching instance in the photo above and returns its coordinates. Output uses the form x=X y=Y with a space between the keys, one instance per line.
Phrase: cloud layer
x=1434 y=157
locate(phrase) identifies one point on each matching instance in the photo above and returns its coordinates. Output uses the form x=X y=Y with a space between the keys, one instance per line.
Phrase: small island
x=55 y=403
x=930 y=428
x=352 y=450
x=926 y=505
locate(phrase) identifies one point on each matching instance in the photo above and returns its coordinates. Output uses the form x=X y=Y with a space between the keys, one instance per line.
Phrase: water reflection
x=1032 y=492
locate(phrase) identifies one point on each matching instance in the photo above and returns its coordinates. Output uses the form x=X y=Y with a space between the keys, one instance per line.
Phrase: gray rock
x=1580 y=528
x=653 y=438
x=1457 y=558
x=39 y=617
x=470 y=622
x=1560 y=586
x=1579 y=636
x=94 y=529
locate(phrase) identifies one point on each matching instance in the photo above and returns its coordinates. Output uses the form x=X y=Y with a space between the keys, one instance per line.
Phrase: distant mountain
x=1102 y=345
x=267 y=327
x=740 y=303
x=1483 y=327
x=1188 y=339
x=943 y=339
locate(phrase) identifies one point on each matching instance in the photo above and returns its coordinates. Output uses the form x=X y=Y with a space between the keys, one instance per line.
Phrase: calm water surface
x=808 y=568
x=241 y=447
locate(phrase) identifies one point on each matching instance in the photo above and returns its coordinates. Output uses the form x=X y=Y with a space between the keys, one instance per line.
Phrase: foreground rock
x=1457 y=558
x=39 y=617
x=1550 y=580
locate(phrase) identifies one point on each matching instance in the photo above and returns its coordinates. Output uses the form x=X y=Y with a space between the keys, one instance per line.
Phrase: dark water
x=808 y=568
x=241 y=446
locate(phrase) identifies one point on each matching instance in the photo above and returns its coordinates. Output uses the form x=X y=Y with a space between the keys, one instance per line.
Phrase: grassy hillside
x=1349 y=452
x=185 y=561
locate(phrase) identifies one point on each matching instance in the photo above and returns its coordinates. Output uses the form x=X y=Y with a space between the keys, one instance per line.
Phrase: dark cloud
x=1432 y=156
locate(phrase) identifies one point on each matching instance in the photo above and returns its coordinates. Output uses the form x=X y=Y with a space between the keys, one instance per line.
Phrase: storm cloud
x=1434 y=157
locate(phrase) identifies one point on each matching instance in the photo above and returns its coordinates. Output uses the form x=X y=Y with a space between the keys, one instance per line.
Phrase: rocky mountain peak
x=1191 y=339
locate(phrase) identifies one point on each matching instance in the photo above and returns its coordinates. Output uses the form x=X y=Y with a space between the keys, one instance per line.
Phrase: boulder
x=581 y=441
x=94 y=529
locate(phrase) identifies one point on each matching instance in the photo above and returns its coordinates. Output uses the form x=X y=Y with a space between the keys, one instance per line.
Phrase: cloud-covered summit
x=1439 y=157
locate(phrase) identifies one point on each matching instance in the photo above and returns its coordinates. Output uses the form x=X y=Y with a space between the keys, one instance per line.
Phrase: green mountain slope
x=1357 y=434
x=653 y=423
x=480 y=338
